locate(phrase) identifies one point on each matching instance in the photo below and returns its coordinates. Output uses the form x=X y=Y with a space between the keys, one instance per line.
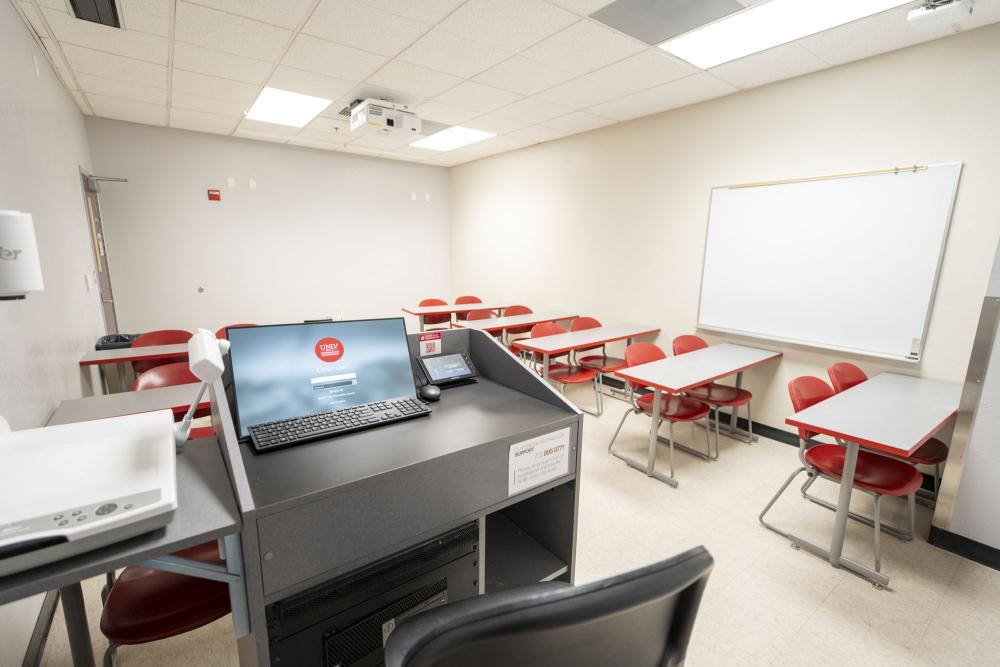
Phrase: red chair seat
x=875 y=473
x=720 y=394
x=930 y=453
x=674 y=408
x=571 y=374
x=602 y=364
x=147 y=605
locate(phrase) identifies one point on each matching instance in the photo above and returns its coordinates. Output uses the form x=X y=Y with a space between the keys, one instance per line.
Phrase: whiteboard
x=846 y=263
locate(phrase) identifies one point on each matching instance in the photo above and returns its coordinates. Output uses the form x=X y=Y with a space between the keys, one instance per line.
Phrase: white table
x=97 y=358
x=890 y=413
x=686 y=371
x=449 y=309
x=495 y=324
x=549 y=346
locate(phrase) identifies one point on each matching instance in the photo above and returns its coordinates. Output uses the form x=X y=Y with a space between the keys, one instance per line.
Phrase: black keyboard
x=295 y=431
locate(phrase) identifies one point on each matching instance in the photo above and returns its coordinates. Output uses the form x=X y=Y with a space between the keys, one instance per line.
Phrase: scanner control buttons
x=64 y=522
x=57 y=517
x=106 y=509
x=82 y=517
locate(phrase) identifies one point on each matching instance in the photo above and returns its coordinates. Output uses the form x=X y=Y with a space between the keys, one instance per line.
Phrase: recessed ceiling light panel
x=768 y=25
x=283 y=107
x=452 y=138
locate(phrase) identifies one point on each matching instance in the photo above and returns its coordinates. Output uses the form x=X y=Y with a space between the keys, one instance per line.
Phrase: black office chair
x=642 y=618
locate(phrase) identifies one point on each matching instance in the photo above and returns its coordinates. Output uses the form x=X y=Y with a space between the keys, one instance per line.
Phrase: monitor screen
x=291 y=370
x=447 y=368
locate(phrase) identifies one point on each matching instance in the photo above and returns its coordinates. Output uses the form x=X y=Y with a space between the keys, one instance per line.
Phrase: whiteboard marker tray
x=68 y=489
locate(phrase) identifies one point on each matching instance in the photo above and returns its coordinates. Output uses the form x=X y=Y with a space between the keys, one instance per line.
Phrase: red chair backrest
x=581 y=323
x=435 y=319
x=517 y=310
x=688 y=343
x=546 y=329
x=221 y=333
x=465 y=300
x=161 y=337
x=806 y=391
x=167 y=375
x=845 y=375
x=481 y=314
x=637 y=354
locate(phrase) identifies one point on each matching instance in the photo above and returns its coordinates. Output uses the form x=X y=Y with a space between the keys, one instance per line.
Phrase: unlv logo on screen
x=329 y=350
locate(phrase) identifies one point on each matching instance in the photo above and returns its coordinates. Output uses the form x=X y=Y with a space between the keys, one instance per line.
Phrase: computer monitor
x=290 y=370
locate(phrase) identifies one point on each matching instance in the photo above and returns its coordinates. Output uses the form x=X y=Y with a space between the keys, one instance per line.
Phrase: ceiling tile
x=130 y=110
x=533 y=110
x=520 y=75
x=500 y=144
x=626 y=108
x=216 y=63
x=51 y=47
x=114 y=67
x=364 y=27
x=579 y=94
x=221 y=31
x=443 y=113
x=645 y=70
x=195 y=127
x=378 y=142
x=507 y=24
x=583 y=47
x=323 y=57
x=138 y=45
x=878 y=34
x=327 y=138
x=425 y=11
x=477 y=97
x=284 y=13
x=146 y=16
x=309 y=83
x=689 y=90
x=194 y=117
x=413 y=79
x=214 y=87
x=782 y=62
x=582 y=7
x=266 y=129
x=413 y=151
x=537 y=134
x=578 y=121
x=312 y=143
x=327 y=126
x=442 y=51
x=34 y=18
x=362 y=150
x=260 y=136
x=985 y=12
x=121 y=89
x=495 y=124
x=207 y=105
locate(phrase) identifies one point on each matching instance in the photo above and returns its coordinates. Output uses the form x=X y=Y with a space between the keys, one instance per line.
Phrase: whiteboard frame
x=838 y=348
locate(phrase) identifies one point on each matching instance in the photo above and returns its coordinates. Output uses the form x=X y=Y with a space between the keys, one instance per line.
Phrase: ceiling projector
x=372 y=116
x=935 y=13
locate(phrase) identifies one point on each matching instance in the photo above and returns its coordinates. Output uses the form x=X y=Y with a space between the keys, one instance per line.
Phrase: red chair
x=462 y=300
x=567 y=373
x=715 y=394
x=170 y=375
x=434 y=319
x=161 y=337
x=509 y=312
x=845 y=375
x=484 y=314
x=221 y=333
x=874 y=474
x=673 y=408
x=601 y=363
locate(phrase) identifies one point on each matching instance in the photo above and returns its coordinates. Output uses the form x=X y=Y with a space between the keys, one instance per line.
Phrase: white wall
x=612 y=222
x=42 y=147
x=323 y=234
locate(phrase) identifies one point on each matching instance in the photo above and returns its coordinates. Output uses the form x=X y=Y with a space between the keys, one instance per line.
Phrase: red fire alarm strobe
x=215 y=195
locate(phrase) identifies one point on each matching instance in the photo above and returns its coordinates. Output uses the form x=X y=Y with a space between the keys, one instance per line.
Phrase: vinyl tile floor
x=765 y=604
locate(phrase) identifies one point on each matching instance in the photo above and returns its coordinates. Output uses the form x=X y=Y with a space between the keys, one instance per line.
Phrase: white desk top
x=677 y=374
x=500 y=323
x=126 y=354
x=575 y=340
x=448 y=309
x=890 y=412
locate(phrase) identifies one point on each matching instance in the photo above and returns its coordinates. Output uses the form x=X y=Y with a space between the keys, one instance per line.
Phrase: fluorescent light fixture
x=452 y=138
x=283 y=107
x=768 y=25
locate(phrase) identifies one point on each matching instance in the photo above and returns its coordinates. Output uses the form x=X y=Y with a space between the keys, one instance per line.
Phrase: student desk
x=423 y=311
x=676 y=374
x=514 y=321
x=549 y=346
x=206 y=510
x=176 y=398
x=101 y=358
x=890 y=414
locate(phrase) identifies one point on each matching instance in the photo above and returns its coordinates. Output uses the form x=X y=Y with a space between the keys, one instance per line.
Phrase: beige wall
x=612 y=222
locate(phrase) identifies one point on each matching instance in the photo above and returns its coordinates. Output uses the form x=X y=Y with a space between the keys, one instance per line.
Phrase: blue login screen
x=293 y=370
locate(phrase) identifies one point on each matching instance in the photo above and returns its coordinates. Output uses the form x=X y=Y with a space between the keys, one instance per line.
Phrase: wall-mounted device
x=20 y=266
x=372 y=116
x=936 y=13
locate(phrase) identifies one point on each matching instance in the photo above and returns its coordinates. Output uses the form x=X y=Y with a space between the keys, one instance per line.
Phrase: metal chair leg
x=911 y=503
x=775 y=499
x=111 y=656
x=878 y=532
x=749 y=424
x=620 y=424
x=708 y=440
x=671 y=450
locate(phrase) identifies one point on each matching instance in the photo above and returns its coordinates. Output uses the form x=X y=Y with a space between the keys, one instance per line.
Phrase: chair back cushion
x=806 y=391
x=845 y=375
x=435 y=319
x=637 y=354
x=688 y=343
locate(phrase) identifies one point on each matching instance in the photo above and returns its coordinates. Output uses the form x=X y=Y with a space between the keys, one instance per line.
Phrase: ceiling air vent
x=97 y=11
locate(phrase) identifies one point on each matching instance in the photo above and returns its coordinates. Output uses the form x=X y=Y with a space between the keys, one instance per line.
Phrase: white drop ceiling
x=528 y=70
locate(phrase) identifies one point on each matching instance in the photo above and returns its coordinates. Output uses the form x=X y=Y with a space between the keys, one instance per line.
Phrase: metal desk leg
x=650 y=466
x=843 y=502
x=545 y=366
x=421 y=318
x=654 y=431
x=77 y=629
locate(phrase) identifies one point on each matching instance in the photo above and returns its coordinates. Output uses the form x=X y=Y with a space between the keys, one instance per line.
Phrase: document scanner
x=68 y=489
